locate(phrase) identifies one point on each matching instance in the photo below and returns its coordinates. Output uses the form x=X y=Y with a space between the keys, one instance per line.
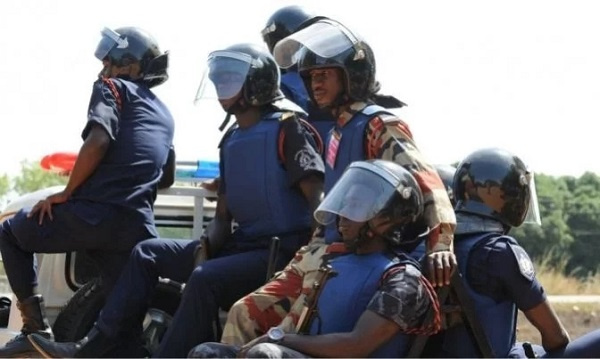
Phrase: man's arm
x=371 y=331
x=303 y=162
x=217 y=232
x=91 y=153
x=393 y=142
x=553 y=333
x=510 y=265
x=168 y=170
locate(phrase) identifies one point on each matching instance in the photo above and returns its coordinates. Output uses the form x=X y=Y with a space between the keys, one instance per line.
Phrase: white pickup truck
x=67 y=281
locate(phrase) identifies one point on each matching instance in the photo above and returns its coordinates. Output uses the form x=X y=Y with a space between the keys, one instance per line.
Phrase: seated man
x=268 y=186
x=495 y=191
x=376 y=296
x=106 y=207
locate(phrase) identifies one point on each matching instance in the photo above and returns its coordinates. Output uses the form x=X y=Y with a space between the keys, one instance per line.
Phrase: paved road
x=574 y=298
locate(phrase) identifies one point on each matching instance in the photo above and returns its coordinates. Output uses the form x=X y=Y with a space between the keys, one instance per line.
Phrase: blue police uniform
x=249 y=162
x=347 y=295
x=112 y=210
x=500 y=279
x=351 y=148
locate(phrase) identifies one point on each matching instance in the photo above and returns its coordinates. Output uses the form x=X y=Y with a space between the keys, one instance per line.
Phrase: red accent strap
x=115 y=92
x=313 y=132
x=280 y=141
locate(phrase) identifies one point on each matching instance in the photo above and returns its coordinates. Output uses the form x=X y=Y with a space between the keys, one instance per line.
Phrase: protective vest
x=346 y=295
x=499 y=319
x=258 y=194
x=351 y=148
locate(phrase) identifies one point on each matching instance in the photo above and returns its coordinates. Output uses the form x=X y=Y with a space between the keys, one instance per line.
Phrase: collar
x=349 y=112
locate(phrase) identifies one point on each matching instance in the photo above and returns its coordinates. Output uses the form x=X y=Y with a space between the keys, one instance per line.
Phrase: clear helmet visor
x=224 y=75
x=533 y=211
x=359 y=195
x=110 y=40
x=326 y=38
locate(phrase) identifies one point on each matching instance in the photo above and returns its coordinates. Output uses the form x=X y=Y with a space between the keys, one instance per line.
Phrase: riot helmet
x=328 y=43
x=446 y=173
x=372 y=188
x=245 y=68
x=496 y=184
x=129 y=45
x=285 y=22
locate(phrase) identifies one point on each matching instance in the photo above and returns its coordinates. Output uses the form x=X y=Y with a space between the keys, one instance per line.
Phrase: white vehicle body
x=178 y=206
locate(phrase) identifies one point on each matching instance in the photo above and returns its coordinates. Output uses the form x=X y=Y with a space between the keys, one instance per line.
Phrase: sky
x=520 y=75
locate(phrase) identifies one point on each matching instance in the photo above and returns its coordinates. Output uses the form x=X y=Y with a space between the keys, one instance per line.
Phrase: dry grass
x=556 y=283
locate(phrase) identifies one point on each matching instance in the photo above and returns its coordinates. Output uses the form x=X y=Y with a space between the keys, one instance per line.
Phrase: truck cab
x=66 y=280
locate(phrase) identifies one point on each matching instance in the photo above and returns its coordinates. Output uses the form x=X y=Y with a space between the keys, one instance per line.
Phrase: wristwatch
x=275 y=334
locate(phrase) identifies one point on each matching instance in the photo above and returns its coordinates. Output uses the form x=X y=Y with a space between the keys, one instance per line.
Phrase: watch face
x=275 y=334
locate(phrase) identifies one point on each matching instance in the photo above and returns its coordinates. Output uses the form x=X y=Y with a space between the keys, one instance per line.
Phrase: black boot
x=33 y=314
x=93 y=345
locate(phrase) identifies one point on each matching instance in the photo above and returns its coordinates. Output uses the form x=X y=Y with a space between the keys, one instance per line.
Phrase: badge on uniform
x=332 y=148
x=525 y=264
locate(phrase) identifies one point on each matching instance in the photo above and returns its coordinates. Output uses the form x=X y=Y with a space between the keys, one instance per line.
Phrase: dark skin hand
x=440 y=266
x=312 y=187
x=168 y=176
x=91 y=153
x=370 y=332
x=216 y=234
x=553 y=333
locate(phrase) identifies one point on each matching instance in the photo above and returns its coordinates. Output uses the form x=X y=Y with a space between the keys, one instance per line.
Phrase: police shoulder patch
x=523 y=260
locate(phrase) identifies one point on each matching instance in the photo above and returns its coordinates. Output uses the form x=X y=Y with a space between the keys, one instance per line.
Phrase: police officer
x=106 y=206
x=269 y=190
x=282 y=23
x=341 y=80
x=495 y=191
x=377 y=294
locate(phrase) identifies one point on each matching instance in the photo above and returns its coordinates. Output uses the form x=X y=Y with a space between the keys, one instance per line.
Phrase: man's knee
x=21 y=230
x=147 y=249
x=202 y=277
x=213 y=350
x=266 y=350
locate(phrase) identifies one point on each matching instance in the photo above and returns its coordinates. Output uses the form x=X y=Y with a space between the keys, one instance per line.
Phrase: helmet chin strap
x=239 y=106
x=365 y=234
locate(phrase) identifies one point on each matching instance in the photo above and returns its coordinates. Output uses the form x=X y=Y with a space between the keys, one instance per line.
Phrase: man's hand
x=201 y=254
x=212 y=185
x=440 y=265
x=44 y=207
x=244 y=349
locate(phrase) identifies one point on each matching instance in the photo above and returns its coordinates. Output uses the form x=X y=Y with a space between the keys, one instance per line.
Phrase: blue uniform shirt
x=141 y=132
x=499 y=270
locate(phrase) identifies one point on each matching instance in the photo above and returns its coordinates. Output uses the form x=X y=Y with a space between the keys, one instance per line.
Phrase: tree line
x=569 y=208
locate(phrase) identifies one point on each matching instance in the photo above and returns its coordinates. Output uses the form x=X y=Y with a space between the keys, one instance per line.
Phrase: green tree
x=584 y=222
x=4 y=185
x=33 y=177
x=554 y=237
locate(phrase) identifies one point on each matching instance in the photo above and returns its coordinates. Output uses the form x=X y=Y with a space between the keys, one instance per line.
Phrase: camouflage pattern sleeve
x=404 y=299
x=279 y=302
x=393 y=141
